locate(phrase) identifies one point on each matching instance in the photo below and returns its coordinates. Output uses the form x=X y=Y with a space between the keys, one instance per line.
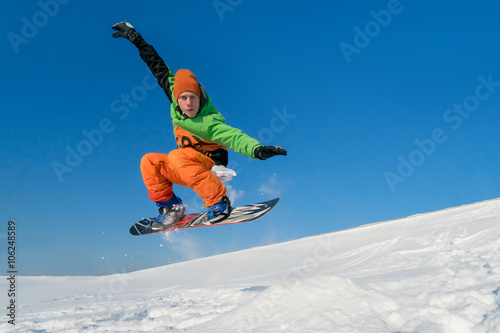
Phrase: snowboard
x=240 y=214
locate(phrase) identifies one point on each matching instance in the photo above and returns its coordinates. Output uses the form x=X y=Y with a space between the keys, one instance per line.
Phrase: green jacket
x=209 y=124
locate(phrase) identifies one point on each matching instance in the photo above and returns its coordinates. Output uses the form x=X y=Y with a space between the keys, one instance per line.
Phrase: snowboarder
x=202 y=138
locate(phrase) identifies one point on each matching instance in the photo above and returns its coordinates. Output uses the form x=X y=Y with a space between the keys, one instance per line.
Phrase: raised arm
x=209 y=124
x=147 y=52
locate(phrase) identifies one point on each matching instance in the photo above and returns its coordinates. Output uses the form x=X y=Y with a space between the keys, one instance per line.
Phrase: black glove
x=264 y=152
x=126 y=30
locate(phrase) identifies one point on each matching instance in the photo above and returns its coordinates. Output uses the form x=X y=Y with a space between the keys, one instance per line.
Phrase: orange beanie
x=185 y=80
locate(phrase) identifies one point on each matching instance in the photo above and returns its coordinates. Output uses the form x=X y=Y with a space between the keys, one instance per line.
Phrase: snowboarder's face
x=189 y=103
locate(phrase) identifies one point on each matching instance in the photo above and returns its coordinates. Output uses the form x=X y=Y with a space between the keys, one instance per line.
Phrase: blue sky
x=386 y=108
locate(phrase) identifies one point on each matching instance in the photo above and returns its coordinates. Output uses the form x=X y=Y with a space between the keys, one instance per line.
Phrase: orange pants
x=184 y=166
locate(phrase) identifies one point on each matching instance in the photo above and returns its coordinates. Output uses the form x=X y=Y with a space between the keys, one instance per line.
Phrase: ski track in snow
x=434 y=272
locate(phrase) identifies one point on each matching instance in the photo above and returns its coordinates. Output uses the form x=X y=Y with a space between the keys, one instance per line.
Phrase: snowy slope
x=434 y=272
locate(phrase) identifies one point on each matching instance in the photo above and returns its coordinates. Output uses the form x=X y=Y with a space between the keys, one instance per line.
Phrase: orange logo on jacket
x=185 y=139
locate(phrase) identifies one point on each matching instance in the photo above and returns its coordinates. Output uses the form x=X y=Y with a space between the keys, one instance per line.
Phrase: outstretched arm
x=155 y=63
x=212 y=127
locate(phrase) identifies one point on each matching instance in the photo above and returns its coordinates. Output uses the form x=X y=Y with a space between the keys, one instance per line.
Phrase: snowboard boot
x=220 y=211
x=170 y=212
